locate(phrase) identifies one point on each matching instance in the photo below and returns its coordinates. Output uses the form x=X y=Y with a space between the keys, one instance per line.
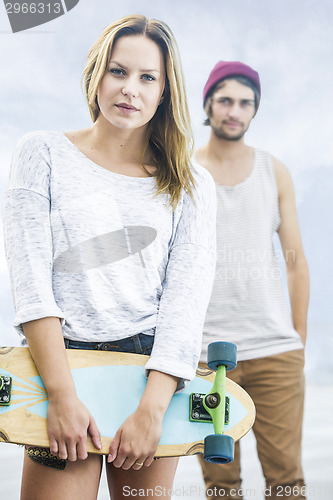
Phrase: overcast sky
x=290 y=44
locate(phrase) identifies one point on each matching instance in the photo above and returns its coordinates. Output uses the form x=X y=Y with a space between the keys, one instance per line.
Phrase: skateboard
x=207 y=417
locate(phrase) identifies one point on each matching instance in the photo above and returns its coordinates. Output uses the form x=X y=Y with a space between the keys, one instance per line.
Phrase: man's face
x=232 y=109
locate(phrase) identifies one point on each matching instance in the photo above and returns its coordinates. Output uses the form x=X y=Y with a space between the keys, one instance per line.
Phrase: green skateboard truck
x=215 y=405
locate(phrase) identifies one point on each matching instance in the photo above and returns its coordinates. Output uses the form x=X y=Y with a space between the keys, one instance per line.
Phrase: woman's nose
x=130 y=88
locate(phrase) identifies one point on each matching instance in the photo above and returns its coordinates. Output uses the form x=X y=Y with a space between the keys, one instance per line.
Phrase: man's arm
x=291 y=243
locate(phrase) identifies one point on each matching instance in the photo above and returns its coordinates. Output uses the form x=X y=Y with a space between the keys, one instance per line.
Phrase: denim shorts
x=141 y=343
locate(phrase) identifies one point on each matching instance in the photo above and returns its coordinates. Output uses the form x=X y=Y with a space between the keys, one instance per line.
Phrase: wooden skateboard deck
x=110 y=385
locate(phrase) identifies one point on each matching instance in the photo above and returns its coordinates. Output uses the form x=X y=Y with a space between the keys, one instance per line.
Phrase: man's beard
x=220 y=134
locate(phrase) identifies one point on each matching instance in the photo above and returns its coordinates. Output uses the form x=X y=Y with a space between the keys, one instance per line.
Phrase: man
x=256 y=200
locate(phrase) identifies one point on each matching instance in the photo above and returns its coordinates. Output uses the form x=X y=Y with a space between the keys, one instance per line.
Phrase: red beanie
x=225 y=69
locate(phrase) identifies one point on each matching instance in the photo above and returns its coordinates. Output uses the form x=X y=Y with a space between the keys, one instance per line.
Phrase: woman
x=110 y=241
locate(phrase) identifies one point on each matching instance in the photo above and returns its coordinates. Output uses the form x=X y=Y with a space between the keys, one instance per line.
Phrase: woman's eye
x=148 y=78
x=117 y=71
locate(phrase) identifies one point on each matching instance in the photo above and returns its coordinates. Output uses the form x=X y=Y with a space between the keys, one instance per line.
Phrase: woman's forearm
x=46 y=344
x=68 y=419
x=158 y=393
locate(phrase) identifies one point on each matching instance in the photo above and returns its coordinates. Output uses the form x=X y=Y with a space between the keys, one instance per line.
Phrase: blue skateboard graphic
x=111 y=385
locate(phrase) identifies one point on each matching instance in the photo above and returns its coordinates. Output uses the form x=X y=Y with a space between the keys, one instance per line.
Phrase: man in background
x=256 y=200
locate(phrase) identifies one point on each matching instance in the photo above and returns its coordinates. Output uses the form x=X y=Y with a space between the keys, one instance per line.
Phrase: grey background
x=289 y=42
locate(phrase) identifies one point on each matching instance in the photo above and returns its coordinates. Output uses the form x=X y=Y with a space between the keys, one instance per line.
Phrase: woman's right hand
x=68 y=421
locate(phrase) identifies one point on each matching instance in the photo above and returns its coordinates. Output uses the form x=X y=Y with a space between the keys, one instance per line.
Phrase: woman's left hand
x=135 y=442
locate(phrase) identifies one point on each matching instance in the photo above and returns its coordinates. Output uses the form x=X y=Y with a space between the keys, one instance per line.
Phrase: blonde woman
x=110 y=241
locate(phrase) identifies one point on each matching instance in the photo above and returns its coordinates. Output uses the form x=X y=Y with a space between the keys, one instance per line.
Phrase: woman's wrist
x=159 y=390
x=153 y=413
x=59 y=393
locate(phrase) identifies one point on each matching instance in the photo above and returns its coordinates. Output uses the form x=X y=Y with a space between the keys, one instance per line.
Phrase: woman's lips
x=126 y=108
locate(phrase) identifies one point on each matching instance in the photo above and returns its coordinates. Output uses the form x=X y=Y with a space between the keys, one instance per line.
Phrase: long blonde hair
x=171 y=138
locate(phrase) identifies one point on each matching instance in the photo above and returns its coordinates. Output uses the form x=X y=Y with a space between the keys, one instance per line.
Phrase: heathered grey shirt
x=100 y=251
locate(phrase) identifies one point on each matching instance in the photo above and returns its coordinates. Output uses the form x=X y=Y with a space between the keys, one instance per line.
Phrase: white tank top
x=247 y=305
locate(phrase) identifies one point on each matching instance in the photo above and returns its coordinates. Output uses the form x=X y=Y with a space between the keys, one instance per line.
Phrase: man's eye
x=148 y=78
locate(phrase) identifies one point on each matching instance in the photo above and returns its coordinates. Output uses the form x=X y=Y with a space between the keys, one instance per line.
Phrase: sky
x=290 y=44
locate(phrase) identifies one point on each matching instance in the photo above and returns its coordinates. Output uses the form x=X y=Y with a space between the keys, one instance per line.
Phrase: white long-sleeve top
x=106 y=255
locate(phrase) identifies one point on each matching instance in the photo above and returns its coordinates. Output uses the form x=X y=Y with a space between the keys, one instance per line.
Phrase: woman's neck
x=125 y=146
x=121 y=151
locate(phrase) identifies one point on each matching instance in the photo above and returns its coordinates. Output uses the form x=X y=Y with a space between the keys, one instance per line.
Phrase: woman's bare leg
x=78 y=481
x=156 y=481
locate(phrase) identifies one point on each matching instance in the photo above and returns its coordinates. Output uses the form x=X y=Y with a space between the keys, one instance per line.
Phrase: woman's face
x=132 y=87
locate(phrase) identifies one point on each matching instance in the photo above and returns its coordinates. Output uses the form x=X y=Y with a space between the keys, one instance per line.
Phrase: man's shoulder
x=282 y=174
x=280 y=168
